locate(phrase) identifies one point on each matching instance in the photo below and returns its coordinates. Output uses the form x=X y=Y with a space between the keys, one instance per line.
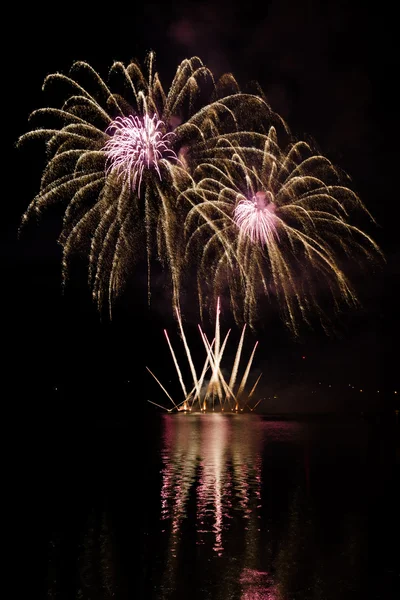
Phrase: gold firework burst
x=118 y=156
x=274 y=222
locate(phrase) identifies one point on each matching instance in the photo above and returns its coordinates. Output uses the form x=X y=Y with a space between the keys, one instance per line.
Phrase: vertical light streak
x=188 y=354
x=176 y=364
x=245 y=376
x=232 y=380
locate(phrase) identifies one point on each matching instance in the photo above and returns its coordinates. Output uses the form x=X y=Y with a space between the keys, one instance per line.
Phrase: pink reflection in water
x=219 y=456
x=257 y=585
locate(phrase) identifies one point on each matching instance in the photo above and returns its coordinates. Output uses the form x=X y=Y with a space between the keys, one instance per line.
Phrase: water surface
x=211 y=506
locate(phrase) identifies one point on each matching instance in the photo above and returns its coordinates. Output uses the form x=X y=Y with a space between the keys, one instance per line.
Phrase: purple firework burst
x=256 y=218
x=137 y=144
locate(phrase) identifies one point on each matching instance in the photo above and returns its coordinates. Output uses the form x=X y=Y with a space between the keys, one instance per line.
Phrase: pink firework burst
x=136 y=144
x=256 y=218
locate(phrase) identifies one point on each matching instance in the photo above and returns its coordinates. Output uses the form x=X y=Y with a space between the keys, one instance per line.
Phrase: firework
x=118 y=156
x=196 y=177
x=216 y=391
x=276 y=221
x=256 y=219
x=136 y=144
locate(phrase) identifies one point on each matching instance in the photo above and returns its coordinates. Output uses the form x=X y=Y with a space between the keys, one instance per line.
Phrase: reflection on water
x=211 y=474
x=221 y=457
x=217 y=507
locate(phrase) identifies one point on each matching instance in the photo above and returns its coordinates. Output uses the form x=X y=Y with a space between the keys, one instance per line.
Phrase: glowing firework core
x=256 y=218
x=137 y=144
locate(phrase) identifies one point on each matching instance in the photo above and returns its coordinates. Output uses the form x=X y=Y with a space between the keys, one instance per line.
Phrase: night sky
x=328 y=68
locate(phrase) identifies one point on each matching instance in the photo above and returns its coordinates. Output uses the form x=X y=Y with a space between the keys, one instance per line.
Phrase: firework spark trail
x=245 y=376
x=205 y=369
x=253 y=389
x=217 y=342
x=207 y=365
x=217 y=376
x=214 y=384
x=162 y=387
x=160 y=405
x=176 y=364
x=255 y=406
x=232 y=380
x=189 y=356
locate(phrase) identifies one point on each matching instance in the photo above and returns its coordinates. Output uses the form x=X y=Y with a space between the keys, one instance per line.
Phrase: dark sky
x=327 y=67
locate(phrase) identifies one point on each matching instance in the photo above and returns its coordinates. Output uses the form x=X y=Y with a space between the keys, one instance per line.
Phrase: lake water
x=211 y=506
